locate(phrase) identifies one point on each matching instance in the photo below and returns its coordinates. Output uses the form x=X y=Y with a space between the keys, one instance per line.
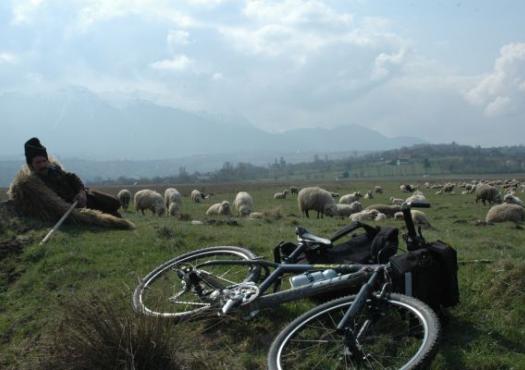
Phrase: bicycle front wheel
x=400 y=333
x=163 y=292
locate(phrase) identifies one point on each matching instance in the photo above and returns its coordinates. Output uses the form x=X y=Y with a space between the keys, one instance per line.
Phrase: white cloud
x=8 y=58
x=385 y=63
x=177 y=63
x=177 y=38
x=502 y=91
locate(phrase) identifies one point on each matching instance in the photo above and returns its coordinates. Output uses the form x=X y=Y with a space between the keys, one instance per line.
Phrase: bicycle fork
x=345 y=326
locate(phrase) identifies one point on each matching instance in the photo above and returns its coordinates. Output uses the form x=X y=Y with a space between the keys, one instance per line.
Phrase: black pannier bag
x=373 y=245
x=429 y=274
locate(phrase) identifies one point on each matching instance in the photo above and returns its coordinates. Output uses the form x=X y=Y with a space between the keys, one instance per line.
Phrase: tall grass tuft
x=94 y=334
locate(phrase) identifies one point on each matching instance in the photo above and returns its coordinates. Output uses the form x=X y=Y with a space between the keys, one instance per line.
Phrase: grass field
x=40 y=285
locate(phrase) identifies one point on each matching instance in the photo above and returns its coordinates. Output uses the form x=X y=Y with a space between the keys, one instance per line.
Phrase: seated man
x=42 y=189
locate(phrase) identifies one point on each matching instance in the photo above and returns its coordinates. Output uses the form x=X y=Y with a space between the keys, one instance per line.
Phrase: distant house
x=401 y=161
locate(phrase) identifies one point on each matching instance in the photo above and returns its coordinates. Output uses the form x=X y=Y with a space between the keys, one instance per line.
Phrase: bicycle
x=374 y=328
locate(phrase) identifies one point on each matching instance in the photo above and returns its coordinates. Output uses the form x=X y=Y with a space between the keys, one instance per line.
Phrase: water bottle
x=311 y=277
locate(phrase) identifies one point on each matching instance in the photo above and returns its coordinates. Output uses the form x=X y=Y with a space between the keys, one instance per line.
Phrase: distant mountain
x=77 y=123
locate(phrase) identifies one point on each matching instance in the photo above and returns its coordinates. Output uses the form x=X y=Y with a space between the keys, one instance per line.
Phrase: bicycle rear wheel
x=403 y=334
x=163 y=292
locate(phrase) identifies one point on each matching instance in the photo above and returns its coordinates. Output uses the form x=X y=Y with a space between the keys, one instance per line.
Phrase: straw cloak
x=33 y=198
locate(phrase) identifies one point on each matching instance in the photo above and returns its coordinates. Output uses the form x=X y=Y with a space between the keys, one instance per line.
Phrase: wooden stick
x=60 y=222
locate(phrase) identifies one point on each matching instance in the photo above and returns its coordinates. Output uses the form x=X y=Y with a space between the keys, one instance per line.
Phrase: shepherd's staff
x=60 y=222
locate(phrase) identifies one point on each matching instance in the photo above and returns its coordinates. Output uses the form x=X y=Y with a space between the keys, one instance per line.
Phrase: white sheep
x=399 y=216
x=124 y=197
x=149 y=199
x=369 y=195
x=506 y=212
x=172 y=195
x=243 y=203
x=396 y=201
x=380 y=217
x=378 y=189
x=314 y=198
x=349 y=198
x=173 y=209
x=280 y=195
x=512 y=199
x=197 y=196
x=343 y=210
x=417 y=197
x=364 y=215
x=223 y=208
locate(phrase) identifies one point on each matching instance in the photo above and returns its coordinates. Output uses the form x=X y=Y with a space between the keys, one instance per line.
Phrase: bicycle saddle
x=309 y=237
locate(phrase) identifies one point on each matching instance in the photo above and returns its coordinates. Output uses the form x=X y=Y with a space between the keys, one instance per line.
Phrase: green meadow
x=53 y=297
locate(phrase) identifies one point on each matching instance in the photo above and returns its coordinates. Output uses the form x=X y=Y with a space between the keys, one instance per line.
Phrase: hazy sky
x=439 y=70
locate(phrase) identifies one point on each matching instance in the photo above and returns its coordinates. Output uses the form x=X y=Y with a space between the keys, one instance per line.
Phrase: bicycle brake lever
x=230 y=303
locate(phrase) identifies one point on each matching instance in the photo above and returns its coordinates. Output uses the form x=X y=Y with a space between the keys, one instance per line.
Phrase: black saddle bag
x=429 y=274
x=367 y=245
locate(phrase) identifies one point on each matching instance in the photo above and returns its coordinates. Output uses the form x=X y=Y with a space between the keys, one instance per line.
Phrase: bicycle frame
x=354 y=275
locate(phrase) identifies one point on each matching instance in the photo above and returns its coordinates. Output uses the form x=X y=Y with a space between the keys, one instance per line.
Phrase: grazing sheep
x=399 y=216
x=280 y=195
x=314 y=198
x=172 y=195
x=417 y=197
x=380 y=217
x=396 y=201
x=350 y=198
x=448 y=187
x=294 y=190
x=378 y=189
x=223 y=208
x=173 y=209
x=406 y=188
x=256 y=215
x=505 y=212
x=388 y=210
x=197 y=196
x=420 y=219
x=149 y=199
x=124 y=197
x=487 y=193
x=512 y=199
x=343 y=210
x=365 y=215
x=243 y=203
x=369 y=195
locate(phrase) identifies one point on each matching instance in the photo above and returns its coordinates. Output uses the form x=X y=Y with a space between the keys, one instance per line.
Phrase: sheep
x=388 y=210
x=343 y=210
x=399 y=216
x=512 y=199
x=369 y=195
x=420 y=219
x=172 y=195
x=407 y=188
x=256 y=215
x=487 y=193
x=174 y=209
x=314 y=198
x=380 y=217
x=417 y=197
x=223 y=208
x=448 y=187
x=365 y=215
x=378 y=189
x=124 y=197
x=350 y=198
x=280 y=195
x=294 y=190
x=505 y=212
x=149 y=199
x=396 y=201
x=197 y=196
x=243 y=203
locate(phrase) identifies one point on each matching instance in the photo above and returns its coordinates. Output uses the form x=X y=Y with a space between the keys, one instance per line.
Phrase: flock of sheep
x=506 y=207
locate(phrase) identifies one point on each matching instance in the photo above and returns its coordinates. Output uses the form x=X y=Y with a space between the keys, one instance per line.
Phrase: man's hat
x=33 y=149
